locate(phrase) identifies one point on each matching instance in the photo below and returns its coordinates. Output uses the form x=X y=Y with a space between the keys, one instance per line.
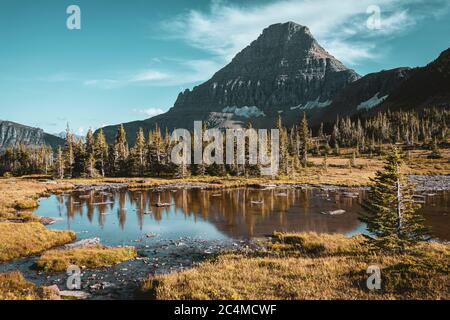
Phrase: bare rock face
x=12 y=134
x=285 y=69
x=85 y=243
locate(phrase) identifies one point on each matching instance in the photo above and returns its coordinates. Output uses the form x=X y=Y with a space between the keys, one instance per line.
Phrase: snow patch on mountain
x=372 y=102
x=312 y=105
x=246 y=112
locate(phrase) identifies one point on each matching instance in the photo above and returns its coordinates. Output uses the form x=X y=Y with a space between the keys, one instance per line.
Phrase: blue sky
x=131 y=58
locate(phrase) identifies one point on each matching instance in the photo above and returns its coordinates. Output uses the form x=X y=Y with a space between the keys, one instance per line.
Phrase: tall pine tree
x=393 y=220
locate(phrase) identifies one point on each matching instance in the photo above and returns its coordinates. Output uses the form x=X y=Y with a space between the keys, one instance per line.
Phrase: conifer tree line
x=410 y=128
x=150 y=156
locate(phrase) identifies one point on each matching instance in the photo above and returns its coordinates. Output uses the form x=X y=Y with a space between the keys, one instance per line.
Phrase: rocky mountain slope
x=401 y=88
x=284 y=71
x=12 y=133
x=427 y=86
x=364 y=94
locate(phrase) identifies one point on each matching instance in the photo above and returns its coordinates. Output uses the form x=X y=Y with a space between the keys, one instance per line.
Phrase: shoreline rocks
x=334 y=212
x=100 y=187
x=425 y=183
x=83 y=243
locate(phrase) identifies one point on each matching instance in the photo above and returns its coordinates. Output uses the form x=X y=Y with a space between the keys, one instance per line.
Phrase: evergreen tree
x=69 y=157
x=304 y=140
x=251 y=169
x=321 y=134
x=337 y=150
x=327 y=148
x=121 y=153
x=198 y=169
x=435 y=152
x=90 y=142
x=353 y=160
x=393 y=220
x=79 y=167
x=59 y=164
x=90 y=161
x=101 y=152
x=284 y=147
x=140 y=151
x=325 y=163
x=156 y=152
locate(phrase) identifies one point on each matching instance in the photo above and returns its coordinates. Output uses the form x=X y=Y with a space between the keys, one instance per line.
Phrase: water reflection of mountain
x=236 y=213
x=252 y=213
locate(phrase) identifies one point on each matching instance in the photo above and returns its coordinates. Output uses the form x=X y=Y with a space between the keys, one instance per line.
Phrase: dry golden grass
x=311 y=243
x=91 y=257
x=19 y=196
x=24 y=239
x=13 y=286
x=297 y=271
x=420 y=164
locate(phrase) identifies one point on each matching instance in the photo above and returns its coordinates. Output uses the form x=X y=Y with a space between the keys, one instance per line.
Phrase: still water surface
x=126 y=217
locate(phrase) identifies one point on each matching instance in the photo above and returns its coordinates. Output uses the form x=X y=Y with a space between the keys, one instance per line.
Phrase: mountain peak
x=289 y=27
x=284 y=69
x=289 y=34
x=287 y=42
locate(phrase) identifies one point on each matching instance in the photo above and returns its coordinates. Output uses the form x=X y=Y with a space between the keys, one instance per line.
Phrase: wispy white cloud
x=226 y=28
x=180 y=72
x=149 y=112
x=149 y=75
x=102 y=83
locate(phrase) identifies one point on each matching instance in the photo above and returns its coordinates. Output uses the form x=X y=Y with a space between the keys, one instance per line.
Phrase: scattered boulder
x=281 y=194
x=83 y=243
x=100 y=187
x=79 y=295
x=163 y=204
x=46 y=221
x=53 y=292
x=430 y=183
x=334 y=212
x=101 y=286
x=151 y=235
x=350 y=195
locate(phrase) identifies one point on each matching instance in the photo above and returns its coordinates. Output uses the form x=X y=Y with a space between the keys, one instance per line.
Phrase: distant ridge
x=427 y=86
x=12 y=133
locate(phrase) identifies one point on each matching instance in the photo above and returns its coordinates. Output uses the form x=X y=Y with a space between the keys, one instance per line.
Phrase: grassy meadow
x=309 y=266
